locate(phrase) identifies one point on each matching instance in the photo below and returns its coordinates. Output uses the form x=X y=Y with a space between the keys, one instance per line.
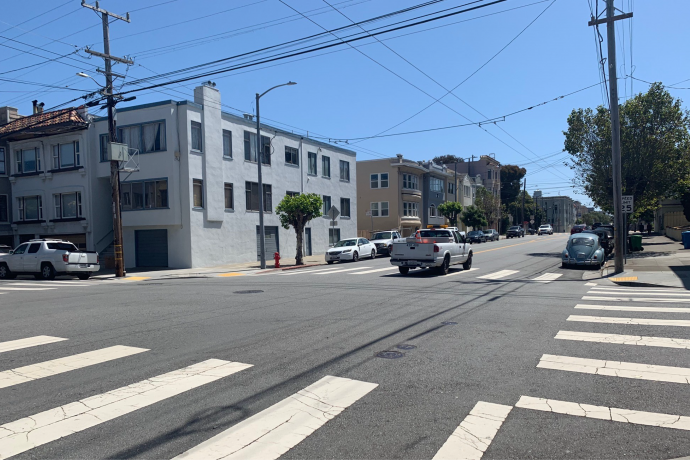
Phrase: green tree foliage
x=451 y=210
x=296 y=211
x=655 y=149
x=474 y=217
x=488 y=204
x=447 y=159
x=511 y=181
x=596 y=216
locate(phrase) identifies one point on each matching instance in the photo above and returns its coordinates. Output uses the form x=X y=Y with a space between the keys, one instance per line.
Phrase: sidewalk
x=248 y=268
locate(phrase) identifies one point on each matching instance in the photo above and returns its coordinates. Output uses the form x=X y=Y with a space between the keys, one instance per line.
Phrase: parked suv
x=515 y=232
x=476 y=236
x=45 y=259
x=545 y=229
x=384 y=241
x=491 y=235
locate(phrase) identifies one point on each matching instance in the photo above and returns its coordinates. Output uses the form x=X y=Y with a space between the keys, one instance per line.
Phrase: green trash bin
x=636 y=242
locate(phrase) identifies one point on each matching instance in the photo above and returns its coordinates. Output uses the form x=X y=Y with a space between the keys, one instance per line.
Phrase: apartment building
x=7 y=115
x=560 y=211
x=439 y=187
x=486 y=167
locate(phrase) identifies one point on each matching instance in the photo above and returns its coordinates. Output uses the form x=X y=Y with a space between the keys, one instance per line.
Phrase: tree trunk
x=299 y=229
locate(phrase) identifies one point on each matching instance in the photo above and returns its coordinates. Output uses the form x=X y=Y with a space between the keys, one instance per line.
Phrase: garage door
x=271 y=242
x=151 y=247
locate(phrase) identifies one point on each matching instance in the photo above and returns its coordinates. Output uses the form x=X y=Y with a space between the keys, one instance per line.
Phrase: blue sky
x=344 y=94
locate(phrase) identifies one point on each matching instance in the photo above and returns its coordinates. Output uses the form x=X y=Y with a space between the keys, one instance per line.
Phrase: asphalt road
x=409 y=358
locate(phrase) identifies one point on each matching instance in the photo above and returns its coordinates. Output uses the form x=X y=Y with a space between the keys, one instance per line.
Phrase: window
x=436 y=184
x=291 y=156
x=250 y=148
x=410 y=209
x=432 y=211
x=103 y=142
x=66 y=155
x=67 y=205
x=130 y=135
x=451 y=188
x=345 y=170
x=344 y=207
x=28 y=161
x=379 y=209
x=21 y=249
x=326 y=166
x=467 y=190
x=147 y=137
x=312 y=164
x=292 y=194
x=198 y=193
x=379 y=180
x=252 y=190
x=3 y=168
x=34 y=247
x=326 y=204
x=333 y=236
x=196 y=136
x=227 y=144
x=4 y=209
x=30 y=207
x=410 y=181
x=138 y=195
x=154 y=137
x=229 y=198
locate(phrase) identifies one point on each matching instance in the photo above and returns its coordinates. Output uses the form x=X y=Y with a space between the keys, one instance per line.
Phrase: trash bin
x=635 y=242
x=686 y=239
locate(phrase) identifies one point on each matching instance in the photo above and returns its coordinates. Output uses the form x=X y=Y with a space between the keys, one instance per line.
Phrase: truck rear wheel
x=403 y=270
x=84 y=276
x=468 y=263
x=445 y=266
x=47 y=271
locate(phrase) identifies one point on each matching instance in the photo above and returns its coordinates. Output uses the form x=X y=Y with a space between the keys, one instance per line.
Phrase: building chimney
x=249 y=116
x=400 y=157
x=8 y=115
x=40 y=107
x=35 y=109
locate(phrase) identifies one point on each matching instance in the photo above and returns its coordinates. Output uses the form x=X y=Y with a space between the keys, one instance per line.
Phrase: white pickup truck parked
x=436 y=248
x=46 y=258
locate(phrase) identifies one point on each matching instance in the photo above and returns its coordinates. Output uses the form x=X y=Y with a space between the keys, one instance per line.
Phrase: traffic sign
x=368 y=213
x=333 y=213
x=531 y=221
x=531 y=217
x=627 y=204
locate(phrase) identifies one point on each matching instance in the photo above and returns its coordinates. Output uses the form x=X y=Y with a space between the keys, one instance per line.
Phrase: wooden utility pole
x=112 y=131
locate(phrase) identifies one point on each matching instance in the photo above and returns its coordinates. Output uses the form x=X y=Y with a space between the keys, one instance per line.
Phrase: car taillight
x=436 y=248
x=65 y=257
x=98 y=259
x=595 y=256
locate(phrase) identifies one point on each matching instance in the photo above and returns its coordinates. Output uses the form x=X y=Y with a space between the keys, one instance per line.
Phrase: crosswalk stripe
x=620 y=339
x=470 y=440
x=639 y=293
x=616 y=369
x=591 y=284
x=623 y=308
x=614 y=414
x=30 y=432
x=374 y=271
x=40 y=284
x=341 y=271
x=460 y=272
x=636 y=299
x=597 y=287
x=28 y=342
x=547 y=277
x=299 y=271
x=27 y=288
x=635 y=321
x=69 y=363
x=273 y=431
x=498 y=275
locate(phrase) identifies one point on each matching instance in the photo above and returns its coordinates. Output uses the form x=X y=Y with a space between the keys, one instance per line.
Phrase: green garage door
x=151 y=248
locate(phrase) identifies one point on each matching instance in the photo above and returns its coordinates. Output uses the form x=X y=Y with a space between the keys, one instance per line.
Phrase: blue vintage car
x=583 y=249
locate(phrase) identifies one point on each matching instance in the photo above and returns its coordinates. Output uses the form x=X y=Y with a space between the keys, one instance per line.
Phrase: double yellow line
x=504 y=247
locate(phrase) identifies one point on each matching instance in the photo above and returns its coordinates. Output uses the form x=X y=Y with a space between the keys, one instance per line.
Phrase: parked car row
x=482 y=236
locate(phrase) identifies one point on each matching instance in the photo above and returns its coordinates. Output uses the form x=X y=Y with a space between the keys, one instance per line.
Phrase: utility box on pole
x=118 y=152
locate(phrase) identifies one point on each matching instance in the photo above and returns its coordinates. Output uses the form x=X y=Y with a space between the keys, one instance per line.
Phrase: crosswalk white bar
x=28 y=342
x=636 y=299
x=665 y=342
x=498 y=275
x=640 y=309
x=298 y=271
x=639 y=293
x=547 y=277
x=636 y=321
x=25 y=434
x=635 y=417
x=40 y=284
x=591 y=284
x=2 y=287
x=69 y=363
x=637 y=289
x=272 y=432
x=341 y=271
x=374 y=271
x=474 y=435
x=616 y=369
x=460 y=272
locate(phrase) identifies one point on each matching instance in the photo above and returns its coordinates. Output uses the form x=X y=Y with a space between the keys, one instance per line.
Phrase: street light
x=84 y=75
x=262 y=232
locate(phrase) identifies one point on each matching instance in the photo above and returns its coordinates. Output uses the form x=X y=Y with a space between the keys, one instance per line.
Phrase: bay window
x=410 y=209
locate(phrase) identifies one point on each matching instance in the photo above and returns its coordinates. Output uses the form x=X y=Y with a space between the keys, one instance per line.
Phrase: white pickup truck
x=46 y=258
x=437 y=248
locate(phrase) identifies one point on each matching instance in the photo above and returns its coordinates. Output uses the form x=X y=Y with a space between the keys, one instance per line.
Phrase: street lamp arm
x=290 y=83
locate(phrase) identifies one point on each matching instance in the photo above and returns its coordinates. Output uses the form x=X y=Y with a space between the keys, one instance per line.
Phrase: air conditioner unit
x=118 y=152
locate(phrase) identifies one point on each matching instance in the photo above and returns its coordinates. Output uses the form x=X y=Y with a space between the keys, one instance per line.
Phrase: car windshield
x=544 y=226
x=342 y=243
x=475 y=232
x=382 y=236
x=515 y=227
x=582 y=242
x=488 y=231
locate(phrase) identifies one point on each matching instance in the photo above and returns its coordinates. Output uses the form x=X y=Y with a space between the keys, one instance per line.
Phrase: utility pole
x=619 y=227
x=522 y=215
x=112 y=133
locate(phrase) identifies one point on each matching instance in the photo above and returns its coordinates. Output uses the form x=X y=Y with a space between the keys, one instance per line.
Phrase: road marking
x=599 y=288
x=619 y=339
x=498 y=275
x=374 y=271
x=25 y=434
x=635 y=299
x=300 y=271
x=614 y=414
x=547 y=277
x=51 y=284
x=504 y=247
x=231 y=274
x=460 y=272
x=591 y=284
x=639 y=292
x=27 y=289
x=340 y=271
x=273 y=431
x=28 y=342
x=69 y=363
x=616 y=369
x=625 y=278
x=470 y=440
x=622 y=308
x=638 y=321
x=134 y=278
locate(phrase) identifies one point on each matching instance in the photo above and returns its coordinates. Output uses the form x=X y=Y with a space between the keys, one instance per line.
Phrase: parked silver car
x=583 y=249
x=384 y=241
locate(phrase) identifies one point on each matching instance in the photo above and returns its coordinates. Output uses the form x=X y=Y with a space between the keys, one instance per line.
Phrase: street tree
x=447 y=159
x=655 y=149
x=295 y=212
x=511 y=181
x=451 y=210
x=474 y=217
x=489 y=205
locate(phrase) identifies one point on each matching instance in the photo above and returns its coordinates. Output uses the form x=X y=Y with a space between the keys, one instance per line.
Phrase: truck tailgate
x=413 y=251
x=83 y=258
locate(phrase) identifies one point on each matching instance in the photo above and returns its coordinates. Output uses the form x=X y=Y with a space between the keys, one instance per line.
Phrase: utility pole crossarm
x=97 y=9
x=108 y=56
x=596 y=22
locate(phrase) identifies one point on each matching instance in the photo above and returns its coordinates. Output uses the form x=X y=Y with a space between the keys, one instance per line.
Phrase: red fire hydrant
x=276 y=257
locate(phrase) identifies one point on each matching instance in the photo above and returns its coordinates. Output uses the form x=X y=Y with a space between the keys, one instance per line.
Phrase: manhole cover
x=389 y=354
x=250 y=291
x=449 y=323
x=406 y=347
